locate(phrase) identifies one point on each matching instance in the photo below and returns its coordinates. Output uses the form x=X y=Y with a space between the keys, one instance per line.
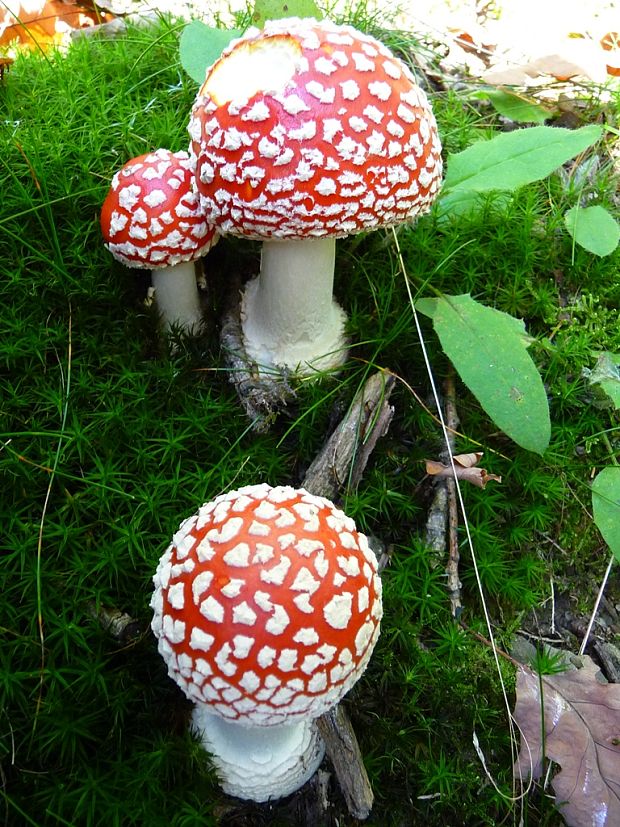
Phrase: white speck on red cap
x=327 y=100
x=265 y=640
x=152 y=216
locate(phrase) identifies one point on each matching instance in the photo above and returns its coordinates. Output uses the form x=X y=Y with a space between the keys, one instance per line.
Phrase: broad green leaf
x=606 y=506
x=488 y=348
x=605 y=377
x=515 y=107
x=513 y=159
x=274 y=9
x=593 y=228
x=200 y=46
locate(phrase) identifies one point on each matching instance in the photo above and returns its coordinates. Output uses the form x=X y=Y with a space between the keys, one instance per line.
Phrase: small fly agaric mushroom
x=301 y=133
x=267 y=607
x=151 y=218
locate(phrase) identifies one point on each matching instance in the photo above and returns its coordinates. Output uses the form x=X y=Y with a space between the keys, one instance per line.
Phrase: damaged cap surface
x=337 y=138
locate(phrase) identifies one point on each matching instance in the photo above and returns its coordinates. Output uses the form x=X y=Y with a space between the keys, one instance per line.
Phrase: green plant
x=548 y=662
x=108 y=440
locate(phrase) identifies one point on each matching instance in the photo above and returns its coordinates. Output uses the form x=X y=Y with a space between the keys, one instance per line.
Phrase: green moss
x=109 y=441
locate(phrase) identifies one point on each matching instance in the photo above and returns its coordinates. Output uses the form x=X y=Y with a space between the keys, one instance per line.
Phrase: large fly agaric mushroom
x=301 y=133
x=151 y=218
x=267 y=607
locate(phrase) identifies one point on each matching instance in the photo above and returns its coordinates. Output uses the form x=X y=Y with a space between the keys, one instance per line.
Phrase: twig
x=344 y=753
x=452 y=567
x=609 y=656
x=343 y=458
x=599 y=596
x=466 y=527
x=121 y=626
x=442 y=520
x=340 y=462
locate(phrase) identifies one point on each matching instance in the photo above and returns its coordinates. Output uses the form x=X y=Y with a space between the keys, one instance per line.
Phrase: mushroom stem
x=289 y=317
x=176 y=296
x=259 y=762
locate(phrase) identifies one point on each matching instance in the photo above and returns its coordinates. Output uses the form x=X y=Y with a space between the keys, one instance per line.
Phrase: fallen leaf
x=465 y=467
x=575 y=58
x=44 y=23
x=468 y=460
x=610 y=43
x=581 y=734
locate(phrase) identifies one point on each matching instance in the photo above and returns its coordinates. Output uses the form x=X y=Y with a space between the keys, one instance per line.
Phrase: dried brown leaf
x=575 y=58
x=44 y=23
x=465 y=467
x=468 y=460
x=582 y=735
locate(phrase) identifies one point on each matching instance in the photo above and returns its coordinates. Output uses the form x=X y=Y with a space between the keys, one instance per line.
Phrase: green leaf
x=200 y=46
x=606 y=506
x=274 y=9
x=488 y=348
x=513 y=106
x=513 y=159
x=593 y=228
x=605 y=377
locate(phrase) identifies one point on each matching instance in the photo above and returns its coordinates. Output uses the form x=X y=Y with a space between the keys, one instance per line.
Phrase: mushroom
x=266 y=607
x=301 y=133
x=151 y=218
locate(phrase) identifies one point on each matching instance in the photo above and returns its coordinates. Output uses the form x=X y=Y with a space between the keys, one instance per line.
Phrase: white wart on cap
x=152 y=218
x=301 y=133
x=309 y=129
x=267 y=605
x=266 y=608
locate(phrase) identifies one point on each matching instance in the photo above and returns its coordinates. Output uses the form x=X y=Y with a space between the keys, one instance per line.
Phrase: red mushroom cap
x=267 y=605
x=306 y=128
x=151 y=216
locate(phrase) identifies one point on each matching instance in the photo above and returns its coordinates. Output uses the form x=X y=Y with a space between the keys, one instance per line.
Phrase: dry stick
x=341 y=462
x=443 y=518
x=343 y=751
x=452 y=568
x=597 y=603
x=121 y=626
x=343 y=458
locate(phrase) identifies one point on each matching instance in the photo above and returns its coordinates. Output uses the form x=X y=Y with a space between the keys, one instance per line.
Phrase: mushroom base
x=288 y=316
x=259 y=763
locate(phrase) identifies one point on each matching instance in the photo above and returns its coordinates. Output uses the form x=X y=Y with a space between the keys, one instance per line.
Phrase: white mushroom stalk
x=259 y=763
x=288 y=314
x=151 y=218
x=175 y=289
x=266 y=608
x=304 y=132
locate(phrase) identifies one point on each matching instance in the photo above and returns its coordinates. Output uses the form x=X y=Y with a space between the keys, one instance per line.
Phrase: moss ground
x=108 y=440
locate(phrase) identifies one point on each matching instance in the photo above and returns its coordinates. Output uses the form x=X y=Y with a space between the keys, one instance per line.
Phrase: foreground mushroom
x=302 y=133
x=266 y=607
x=151 y=218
